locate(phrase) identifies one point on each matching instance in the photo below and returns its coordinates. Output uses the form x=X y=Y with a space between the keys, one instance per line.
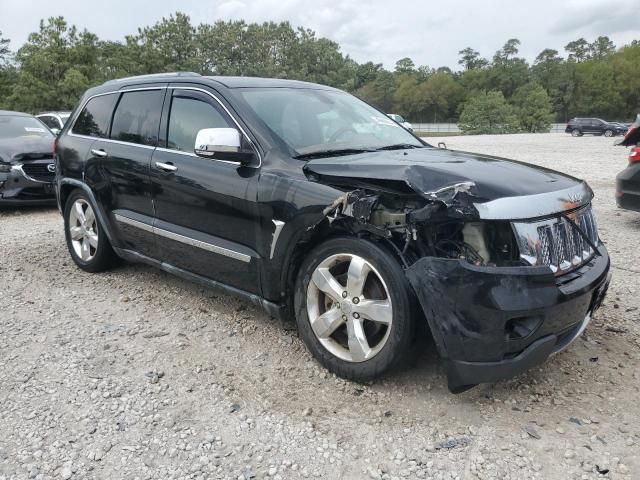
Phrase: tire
x=576 y=133
x=340 y=323
x=608 y=133
x=86 y=240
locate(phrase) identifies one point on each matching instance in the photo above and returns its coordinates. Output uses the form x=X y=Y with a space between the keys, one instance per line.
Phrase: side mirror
x=55 y=131
x=222 y=144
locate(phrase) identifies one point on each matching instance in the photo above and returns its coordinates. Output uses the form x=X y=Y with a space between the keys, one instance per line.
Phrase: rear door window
x=95 y=117
x=137 y=117
x=189 y=115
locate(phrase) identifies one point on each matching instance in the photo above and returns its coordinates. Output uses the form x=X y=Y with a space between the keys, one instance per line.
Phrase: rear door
x=206 y=212
x=121 y=162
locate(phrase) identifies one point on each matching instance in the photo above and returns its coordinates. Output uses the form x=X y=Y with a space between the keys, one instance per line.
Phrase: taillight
x=634 y=156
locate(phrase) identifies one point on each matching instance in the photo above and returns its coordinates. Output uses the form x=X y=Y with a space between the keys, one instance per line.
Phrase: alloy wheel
x=349 y=307
x=83 y=230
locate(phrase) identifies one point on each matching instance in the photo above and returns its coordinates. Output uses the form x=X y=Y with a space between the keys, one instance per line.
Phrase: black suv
x=594 y=126
x=314 y=205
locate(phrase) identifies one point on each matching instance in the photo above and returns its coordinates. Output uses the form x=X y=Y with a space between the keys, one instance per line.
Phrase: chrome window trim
x=109 y=140
x=206 y=92
x=183 y=239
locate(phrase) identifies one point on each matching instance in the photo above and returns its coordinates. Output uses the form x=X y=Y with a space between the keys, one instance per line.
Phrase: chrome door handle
x=167 y=167
x=99 y=153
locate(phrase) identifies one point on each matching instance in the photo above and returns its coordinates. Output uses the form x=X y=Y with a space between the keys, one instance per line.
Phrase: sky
x=383 y=31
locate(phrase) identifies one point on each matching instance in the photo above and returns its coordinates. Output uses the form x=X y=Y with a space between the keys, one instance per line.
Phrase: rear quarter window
x=137 y=117
x=94 y=119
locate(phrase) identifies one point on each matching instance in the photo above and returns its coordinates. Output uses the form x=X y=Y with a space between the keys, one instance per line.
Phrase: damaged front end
x=499 y=295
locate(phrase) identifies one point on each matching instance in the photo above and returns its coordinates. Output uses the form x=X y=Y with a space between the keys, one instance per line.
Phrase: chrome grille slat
x=555 y=242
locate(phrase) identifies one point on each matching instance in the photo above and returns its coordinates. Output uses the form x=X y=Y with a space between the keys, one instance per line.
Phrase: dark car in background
x=314 y=205
x=628 y=180
x=593 y=126
x=27 y=168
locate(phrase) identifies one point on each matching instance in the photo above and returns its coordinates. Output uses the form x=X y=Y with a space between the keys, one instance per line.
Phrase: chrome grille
x=555 y=242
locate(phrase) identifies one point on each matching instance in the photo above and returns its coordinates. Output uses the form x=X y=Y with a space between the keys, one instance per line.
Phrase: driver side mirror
x=222 y=144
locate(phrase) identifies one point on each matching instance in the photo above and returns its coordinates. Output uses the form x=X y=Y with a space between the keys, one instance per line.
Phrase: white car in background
x=54 y=120
x=400 y=120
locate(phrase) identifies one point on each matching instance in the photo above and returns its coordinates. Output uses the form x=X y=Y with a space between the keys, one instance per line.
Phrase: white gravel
x=137 y=374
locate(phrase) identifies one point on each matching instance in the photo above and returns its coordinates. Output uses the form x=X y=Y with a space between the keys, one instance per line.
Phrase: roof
x=6 y=113
x=229 y=82
x=260 y=82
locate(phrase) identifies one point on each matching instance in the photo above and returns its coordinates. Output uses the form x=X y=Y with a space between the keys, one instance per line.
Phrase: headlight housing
x=562 y=242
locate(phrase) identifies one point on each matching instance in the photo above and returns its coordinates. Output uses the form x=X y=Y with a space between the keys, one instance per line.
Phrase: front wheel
x=608 y=133
x=354 y=308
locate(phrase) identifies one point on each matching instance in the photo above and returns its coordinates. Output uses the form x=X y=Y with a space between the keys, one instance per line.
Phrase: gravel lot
x=137 y=374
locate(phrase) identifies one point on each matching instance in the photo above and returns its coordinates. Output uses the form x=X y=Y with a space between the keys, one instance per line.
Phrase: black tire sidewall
x=398 y=344
x=104 y=254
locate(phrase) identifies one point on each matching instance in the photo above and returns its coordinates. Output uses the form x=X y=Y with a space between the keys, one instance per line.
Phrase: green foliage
x=59 y=62
x=488 y=112
x=533 y=108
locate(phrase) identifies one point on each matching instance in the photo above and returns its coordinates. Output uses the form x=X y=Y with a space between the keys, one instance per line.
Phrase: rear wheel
x=354 y=308
x=87 y=243
x=576 y=133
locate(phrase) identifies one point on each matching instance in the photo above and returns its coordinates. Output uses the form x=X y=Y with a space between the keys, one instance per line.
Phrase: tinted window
x=137 y=117
x=187 y=117
x=94 y=118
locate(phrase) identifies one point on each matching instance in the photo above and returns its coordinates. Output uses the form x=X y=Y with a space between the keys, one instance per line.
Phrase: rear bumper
x=491 y=323
x=17 y=188
x=628 y=188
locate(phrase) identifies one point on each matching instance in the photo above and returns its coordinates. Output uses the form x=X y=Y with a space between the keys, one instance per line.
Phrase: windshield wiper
x=399 y=146
x=333 y=153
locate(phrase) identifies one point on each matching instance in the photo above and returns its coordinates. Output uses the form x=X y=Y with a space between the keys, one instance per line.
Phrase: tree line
x=505 y=93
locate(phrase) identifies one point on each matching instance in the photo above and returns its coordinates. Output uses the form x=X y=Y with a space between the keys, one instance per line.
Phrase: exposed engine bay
x=420 y=228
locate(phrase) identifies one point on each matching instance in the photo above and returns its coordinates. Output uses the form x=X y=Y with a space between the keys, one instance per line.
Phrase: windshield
x=312 y=121
x=22 y=127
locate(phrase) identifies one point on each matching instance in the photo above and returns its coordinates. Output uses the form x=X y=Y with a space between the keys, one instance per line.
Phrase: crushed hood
x=490 y=181
x=632 y=136
x=14 y=150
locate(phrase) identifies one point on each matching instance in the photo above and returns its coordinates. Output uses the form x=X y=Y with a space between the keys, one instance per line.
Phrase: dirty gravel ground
x=137 y=374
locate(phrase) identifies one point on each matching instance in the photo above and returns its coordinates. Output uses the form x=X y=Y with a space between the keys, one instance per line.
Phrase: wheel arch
x=305 y=243
x=69 y=185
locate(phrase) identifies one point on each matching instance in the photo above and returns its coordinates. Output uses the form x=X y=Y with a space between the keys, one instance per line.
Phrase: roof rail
x=153 y=75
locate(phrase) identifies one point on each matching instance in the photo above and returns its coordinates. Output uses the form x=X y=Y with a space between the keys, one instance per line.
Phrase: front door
x=206 y=213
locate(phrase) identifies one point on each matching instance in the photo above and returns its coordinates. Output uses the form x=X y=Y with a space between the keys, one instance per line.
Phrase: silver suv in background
x=54 y=120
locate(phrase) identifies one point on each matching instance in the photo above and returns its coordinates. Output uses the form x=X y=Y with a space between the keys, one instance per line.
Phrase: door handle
x=167 y=167
x=99 y=153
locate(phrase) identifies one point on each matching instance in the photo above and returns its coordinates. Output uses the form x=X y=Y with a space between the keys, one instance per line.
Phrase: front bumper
x=17 y=188
x=491 y=323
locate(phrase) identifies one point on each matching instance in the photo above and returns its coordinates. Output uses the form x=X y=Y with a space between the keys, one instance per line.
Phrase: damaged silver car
x=314 y=205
